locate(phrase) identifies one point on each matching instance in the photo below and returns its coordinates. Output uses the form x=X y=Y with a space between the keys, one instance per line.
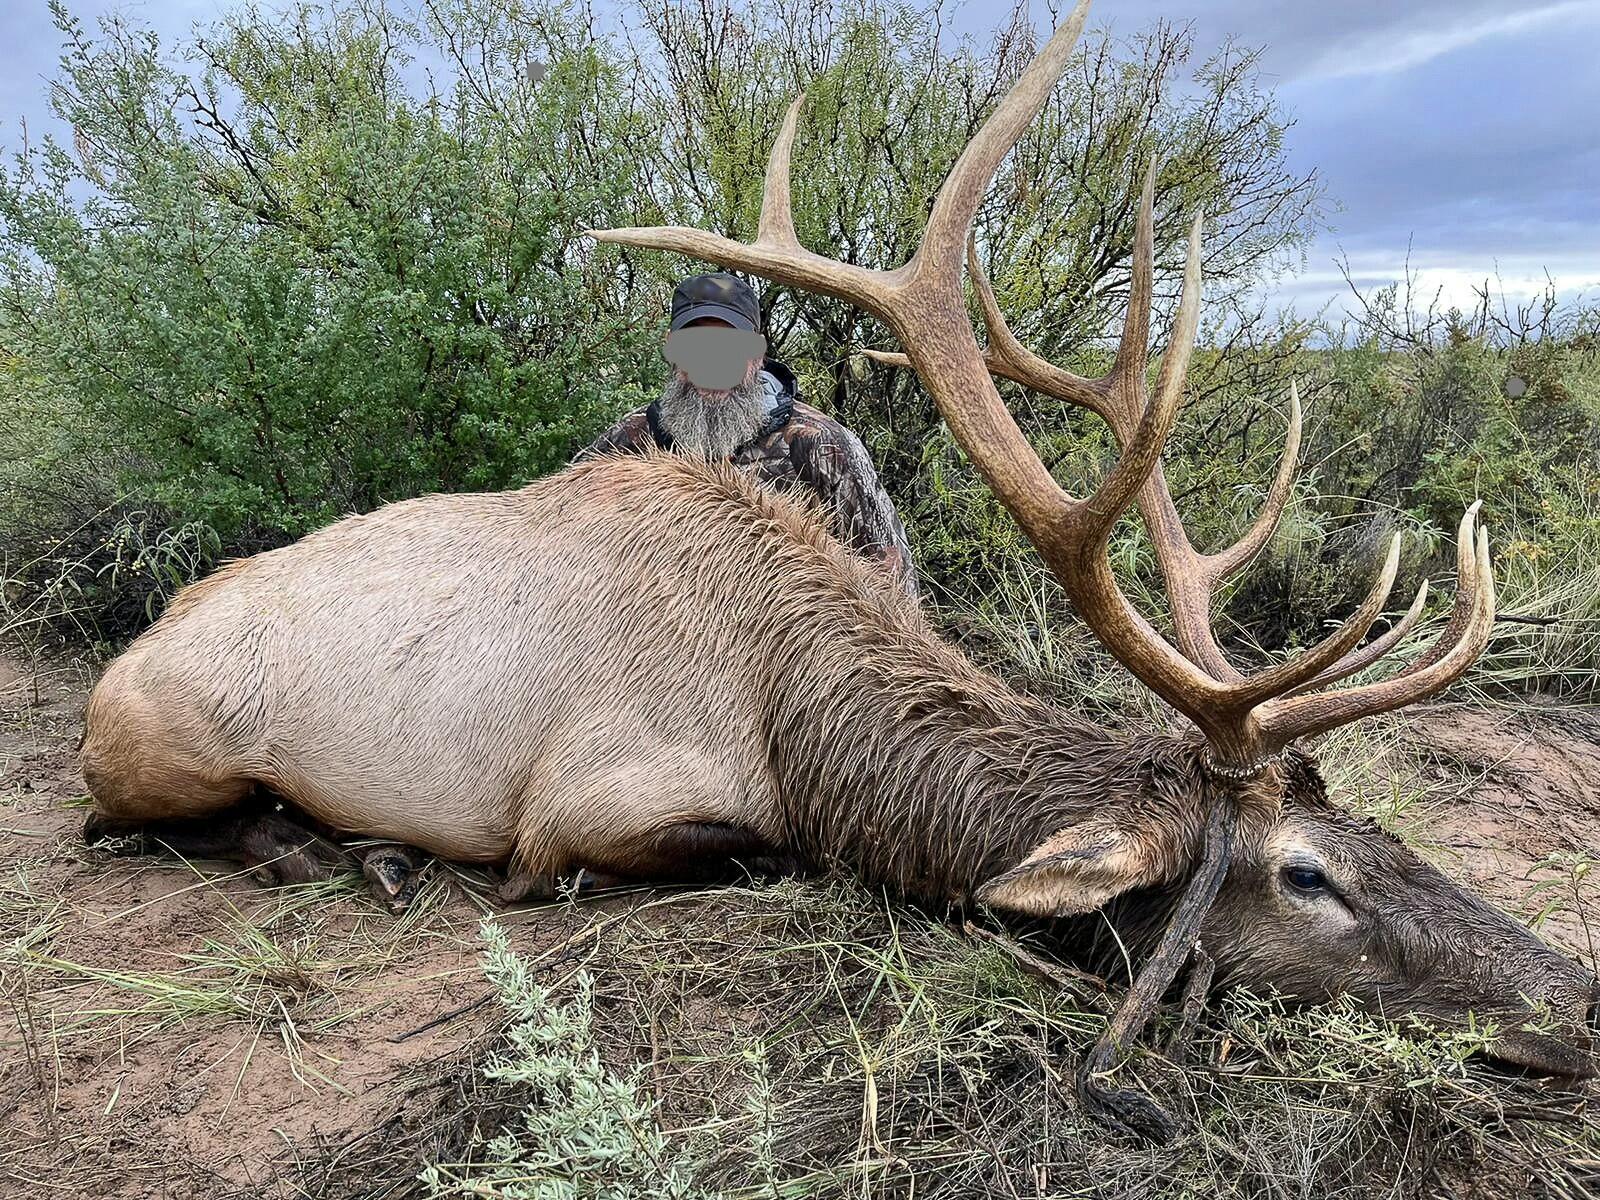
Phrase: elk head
x=1329 y=905
x=1248 y=722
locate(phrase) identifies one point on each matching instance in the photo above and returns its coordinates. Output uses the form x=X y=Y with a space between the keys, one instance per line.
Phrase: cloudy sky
x=1460 y=132
x=1462 y=129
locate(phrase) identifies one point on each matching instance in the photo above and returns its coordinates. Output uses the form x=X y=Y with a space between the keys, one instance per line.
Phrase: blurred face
x=713 y=357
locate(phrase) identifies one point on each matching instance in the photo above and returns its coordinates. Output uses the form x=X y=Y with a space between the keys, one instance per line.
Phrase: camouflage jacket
x=799 y=448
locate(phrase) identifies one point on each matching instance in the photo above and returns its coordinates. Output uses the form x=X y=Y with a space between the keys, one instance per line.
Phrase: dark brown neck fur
x=895 y=757
x=904 y=764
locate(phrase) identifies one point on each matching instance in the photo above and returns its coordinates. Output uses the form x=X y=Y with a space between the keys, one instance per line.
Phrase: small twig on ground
x=22 y=1008
x=1068 y=978
x=443 y=1017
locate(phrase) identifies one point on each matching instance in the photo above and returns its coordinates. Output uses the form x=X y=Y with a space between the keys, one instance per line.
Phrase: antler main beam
x=1245 y=719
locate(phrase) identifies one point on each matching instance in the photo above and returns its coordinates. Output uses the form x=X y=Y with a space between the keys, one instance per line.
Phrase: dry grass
x=811 y=1040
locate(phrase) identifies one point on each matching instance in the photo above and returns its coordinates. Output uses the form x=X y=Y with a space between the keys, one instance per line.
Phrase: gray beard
x=712 y=428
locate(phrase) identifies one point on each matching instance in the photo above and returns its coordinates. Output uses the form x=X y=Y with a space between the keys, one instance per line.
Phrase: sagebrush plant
x=103 y=579
x=586 y=1129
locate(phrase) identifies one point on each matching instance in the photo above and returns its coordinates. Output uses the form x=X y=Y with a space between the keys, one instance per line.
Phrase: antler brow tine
x=777 y=209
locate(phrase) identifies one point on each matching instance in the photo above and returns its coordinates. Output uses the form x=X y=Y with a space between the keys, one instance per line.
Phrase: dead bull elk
x=644 y=667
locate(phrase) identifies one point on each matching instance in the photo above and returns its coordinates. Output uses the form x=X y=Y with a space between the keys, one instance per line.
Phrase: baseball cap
x=718 y=294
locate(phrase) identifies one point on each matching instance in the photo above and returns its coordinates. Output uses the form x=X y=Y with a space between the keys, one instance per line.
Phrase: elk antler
x=1246 y=720
x=1270 y=708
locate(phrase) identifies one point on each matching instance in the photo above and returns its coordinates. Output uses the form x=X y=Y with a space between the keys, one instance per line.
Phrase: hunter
x=726 y=401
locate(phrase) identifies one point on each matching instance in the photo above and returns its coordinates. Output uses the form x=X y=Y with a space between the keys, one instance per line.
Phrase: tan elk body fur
x=419 y=674
x=413 y=674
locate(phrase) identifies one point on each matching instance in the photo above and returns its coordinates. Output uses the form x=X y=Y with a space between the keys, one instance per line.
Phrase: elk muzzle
x=1559 y=1036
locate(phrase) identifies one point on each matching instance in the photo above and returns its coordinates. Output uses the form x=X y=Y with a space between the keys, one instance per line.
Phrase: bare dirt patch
x=176 y=1030
x=1531 y=811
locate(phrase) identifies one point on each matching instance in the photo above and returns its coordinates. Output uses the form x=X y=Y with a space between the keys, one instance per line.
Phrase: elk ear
x=1075 y=871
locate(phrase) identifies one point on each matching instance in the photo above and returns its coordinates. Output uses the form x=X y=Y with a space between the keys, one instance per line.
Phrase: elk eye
x=1305 y=879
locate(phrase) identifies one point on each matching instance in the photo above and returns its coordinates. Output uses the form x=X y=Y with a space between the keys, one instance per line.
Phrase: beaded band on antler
x=1236 y=773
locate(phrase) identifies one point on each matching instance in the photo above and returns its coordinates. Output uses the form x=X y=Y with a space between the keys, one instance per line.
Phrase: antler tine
x=776 y=253
x=1287 y=718
x=1360 y=660
x=1224 y=564
x=1186 y=572
x=1138 y=468
x=1467 y=578
x=777 y=210
x=1126 y=382
x=954 y=207
x=1009 y=359
x=1174 y=371
x=1287 y=676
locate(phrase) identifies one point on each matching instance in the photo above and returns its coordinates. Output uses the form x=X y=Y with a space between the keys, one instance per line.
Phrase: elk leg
x=534 y=885
x=683 y=852
x=283 y=851
x=689 y=852
x=280 y=849
x=526 y=885
x=209 y=837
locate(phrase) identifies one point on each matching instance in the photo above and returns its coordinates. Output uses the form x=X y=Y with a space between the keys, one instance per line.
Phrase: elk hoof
x=126 y=836
x=395 y=873
x=521 y=886
x=1122 y=1109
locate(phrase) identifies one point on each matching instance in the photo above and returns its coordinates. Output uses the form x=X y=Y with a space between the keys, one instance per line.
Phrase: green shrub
x=307 y=262
x=586 y=1130
x=298 y=289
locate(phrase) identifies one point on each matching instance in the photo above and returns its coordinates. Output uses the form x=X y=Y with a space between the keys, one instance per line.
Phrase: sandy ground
x=179 y=1030
x=174 y=1029
x=1533 y=803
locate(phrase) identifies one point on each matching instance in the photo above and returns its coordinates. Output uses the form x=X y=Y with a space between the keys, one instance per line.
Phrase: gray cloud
x=1457 y=135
